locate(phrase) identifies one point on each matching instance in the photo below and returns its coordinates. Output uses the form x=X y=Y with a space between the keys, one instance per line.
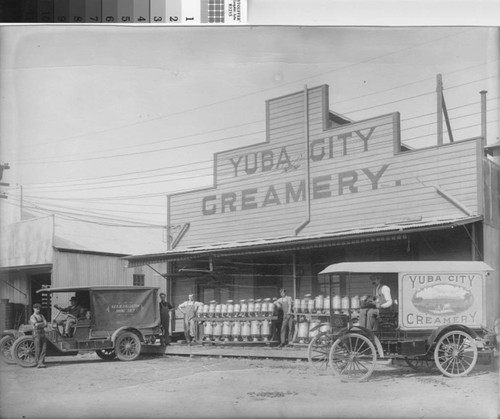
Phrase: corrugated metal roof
x=252 y=245
x=407 y=267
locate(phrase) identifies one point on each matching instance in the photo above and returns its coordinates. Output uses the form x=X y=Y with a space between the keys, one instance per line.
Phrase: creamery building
x=323 y=189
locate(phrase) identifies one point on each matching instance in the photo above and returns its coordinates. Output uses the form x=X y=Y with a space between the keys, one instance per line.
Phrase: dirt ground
x=202 y=387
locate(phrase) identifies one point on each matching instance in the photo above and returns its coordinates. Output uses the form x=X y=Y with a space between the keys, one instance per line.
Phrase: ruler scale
x=164 y=12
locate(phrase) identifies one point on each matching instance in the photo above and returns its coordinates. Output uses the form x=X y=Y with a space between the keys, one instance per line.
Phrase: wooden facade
x=357 y=177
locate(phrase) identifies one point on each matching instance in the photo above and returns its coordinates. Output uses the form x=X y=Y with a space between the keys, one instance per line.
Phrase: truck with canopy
x=437 y=317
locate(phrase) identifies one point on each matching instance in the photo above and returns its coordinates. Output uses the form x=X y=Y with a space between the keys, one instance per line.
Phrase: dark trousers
x=287 y=326
x=166 y=332
x=368 y=317
x=40 y=347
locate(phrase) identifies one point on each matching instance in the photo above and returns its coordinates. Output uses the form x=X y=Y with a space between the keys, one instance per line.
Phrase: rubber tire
x=106 y=354
x=6 y=349
x=345 y=358
x=318 y=351
x=23 y=352
x=445 y=354
x=127 y=346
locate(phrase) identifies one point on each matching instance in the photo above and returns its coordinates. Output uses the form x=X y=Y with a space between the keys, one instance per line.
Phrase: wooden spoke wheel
x=319 y=349
x=23 y=351
x=353 y=357
x=455 y=354
x=106 y=354
x=127 y=346
x=5 y=349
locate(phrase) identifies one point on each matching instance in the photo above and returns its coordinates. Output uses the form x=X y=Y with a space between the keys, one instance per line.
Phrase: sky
x=101 y=123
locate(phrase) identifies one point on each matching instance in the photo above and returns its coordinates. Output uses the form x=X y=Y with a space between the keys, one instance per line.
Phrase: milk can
x=217 y=330
x=258 y=307
x=303 y=332
x=355 y=303
x=304 y=304
x=207 y=330
x=230 y=308
x=226 y=330
x=251 y=307
x=255 y=330
x=311 y=305
x=337 y=304
x=319 y=303
x=263 y=308
x=236 y=331
x=345 y=304
x=326 y=306
x=245 y=330
x=298 y=305
x=218 y=310
x=266 y=330
x=211 y=310
x=270 y=307
x=313 y=324
x=237 y=308
x=223 y=310
x=244 y=308
x=206 y=310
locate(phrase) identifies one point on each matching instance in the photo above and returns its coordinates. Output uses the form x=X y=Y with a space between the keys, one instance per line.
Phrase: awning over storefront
x=393 y=231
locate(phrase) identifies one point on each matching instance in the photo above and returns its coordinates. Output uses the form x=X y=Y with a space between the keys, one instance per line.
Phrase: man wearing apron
x=39 y=323
x=188 y=309
x=285 y=302
x=382 y=300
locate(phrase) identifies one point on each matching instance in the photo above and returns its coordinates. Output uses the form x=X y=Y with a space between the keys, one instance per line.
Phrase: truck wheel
x=106 y=354
x=353 y=357
x=455 y=354
x=5 y=349
x=23 y=351
x=127 y=346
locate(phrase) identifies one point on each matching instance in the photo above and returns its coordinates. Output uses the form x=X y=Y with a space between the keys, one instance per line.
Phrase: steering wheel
x=54 y=322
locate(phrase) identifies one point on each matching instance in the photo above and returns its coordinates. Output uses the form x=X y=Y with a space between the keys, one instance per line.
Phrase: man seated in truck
x=382 y=300
x=74 y=311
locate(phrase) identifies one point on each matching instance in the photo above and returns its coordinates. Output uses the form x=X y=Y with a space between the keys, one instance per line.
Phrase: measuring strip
x=183 y=12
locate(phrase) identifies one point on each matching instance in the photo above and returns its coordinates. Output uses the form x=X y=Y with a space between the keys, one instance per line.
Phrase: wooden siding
x=72 y=269
x=15 y=287
x=357 y=179
x=27 y=243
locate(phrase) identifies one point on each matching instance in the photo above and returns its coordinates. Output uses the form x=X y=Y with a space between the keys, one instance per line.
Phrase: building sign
x=356 y=176
x=430 y=300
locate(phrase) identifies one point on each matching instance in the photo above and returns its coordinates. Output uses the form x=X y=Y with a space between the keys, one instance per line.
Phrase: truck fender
x=370 y=335
x=440 y=331
x=128 y=329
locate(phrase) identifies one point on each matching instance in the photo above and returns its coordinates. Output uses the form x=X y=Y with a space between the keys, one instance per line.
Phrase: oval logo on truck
x=442 y=299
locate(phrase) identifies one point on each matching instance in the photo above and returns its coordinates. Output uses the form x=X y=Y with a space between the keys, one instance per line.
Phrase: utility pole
x=3 y=167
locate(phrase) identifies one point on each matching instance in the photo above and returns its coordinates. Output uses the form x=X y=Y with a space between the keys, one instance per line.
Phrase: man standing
x=368 y=316
x=188 y=309
x=39 y=323
x=165 y=308
x=285 y=302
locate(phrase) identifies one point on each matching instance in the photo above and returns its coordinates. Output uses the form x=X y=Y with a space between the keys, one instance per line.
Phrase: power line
x=274 y=87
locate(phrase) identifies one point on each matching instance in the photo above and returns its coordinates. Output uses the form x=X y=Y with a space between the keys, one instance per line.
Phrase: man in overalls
x=39 y=324
x=382 y=300
x=189 y=308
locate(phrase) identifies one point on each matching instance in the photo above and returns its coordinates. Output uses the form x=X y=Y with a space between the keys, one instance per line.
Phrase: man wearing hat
x=368 y=317
x=39 y=324
x=74 y=311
